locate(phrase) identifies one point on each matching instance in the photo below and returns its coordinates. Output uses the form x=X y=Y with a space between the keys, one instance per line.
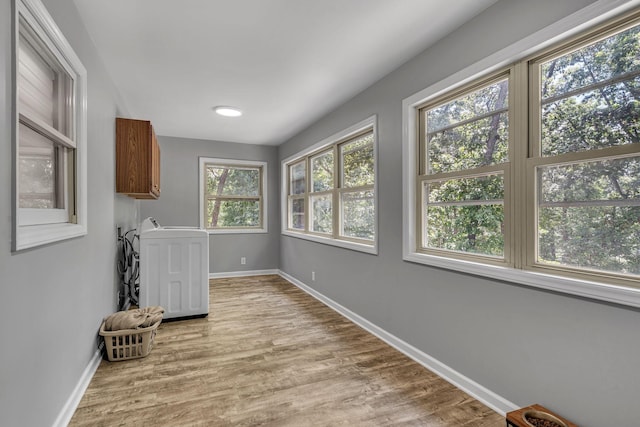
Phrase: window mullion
x=46 y=130
x=336 y=208
x=520 y=221
x=307 y=198
x=468 y=121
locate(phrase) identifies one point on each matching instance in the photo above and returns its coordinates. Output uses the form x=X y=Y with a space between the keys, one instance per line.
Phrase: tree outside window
x=233 y=194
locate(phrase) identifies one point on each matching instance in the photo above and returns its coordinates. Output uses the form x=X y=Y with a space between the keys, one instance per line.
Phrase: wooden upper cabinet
x=137 y=159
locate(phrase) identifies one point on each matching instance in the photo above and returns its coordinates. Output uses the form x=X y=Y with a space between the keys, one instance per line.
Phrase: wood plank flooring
x=271 y=355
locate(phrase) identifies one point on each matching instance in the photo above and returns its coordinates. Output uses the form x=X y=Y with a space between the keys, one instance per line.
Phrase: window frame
x=576 y=28
x=504 y=169
x=31 y=226
x=536 y=159
x=332 y=145
x=204 y=162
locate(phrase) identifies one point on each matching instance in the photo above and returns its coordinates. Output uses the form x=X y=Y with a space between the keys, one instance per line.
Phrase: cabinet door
x=155 y=165
x=137 y=159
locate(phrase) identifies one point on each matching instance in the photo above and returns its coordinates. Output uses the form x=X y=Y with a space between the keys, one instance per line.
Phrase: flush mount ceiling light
x=228 y=111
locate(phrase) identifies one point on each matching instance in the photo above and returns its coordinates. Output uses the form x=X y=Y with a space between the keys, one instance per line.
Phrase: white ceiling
x=285 y=63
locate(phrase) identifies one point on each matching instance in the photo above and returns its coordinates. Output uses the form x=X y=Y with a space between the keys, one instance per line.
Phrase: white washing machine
x=174 y=269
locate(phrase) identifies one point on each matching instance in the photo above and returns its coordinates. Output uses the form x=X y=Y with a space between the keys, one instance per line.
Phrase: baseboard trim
x=479 y=392
x=69 y=408
x=242 y=273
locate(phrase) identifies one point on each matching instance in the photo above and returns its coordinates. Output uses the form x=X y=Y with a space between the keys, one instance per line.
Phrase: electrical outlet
x=313 y=276
x=118 y=231
x=243 y=260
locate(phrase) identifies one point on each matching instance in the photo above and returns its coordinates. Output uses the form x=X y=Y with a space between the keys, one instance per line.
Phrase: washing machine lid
x=173 y=232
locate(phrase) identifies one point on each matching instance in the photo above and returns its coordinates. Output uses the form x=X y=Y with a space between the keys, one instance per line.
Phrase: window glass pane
x=296 y=208
x=476 y=229
x=46 y=90
x=466 y=215
x=358 y=215
x=357 y=162
x=591 y=97
x=470 y=131
x=321 y=214
x=297 y=175
x=596 y=237
x=37 y=170
x=600 y=180
x=322 y=172
x=588 y=215
x=231 y=181
x=460 y=189
x=233 y=213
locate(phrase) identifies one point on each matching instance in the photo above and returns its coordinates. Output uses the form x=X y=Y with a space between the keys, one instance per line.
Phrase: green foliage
x=575 y=232
x=466 y=133
x=321 y=210
x=322 y=172
x=358 y=208
x=473 y=229
x=589 y=211
x=233 y=194
x=357 y=177
x=358 y=219
x=357 y=160
x=591 y=96
x=228 y=181
x=470 y=131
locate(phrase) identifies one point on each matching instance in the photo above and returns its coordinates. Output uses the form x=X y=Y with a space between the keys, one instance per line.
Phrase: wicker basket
x=129 y=343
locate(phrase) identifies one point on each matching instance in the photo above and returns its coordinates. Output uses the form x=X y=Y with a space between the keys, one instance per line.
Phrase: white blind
x=36 y=82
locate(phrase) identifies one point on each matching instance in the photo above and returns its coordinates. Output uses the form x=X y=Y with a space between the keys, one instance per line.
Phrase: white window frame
x=203 y=162
x=590 y=16
x=35 y=227
x=369 y=123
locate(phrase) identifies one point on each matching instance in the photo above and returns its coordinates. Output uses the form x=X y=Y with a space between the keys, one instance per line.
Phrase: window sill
x=36 y=235
x=593 y=290
x=360 y=247
x=239 y=231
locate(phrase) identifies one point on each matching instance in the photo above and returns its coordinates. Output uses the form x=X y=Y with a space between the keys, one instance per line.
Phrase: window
x=329 y=190
x=298 y=189
x=465 y=145
x=356 y=192
x=535 y=167
x=50 y=132
x=233 y=195
x=585 y=156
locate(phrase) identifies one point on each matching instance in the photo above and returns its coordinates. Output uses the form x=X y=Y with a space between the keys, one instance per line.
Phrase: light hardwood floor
x=268 y=354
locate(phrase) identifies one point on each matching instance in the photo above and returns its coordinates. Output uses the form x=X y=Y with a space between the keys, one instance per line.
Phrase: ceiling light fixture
x=228 y=111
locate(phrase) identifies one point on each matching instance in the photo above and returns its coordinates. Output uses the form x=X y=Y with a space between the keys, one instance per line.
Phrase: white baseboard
x=242 y=273
x=69 y=408
x=484 y=395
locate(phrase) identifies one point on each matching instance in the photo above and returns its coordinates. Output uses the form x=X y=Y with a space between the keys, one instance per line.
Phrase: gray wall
x=178 y=203
x=576 y=356
x=53 y=298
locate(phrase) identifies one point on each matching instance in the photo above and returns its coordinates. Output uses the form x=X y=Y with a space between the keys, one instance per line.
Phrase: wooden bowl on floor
x=542 y=416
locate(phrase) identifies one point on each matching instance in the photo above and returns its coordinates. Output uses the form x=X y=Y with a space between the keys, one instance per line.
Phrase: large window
x=464 y=162
x=329 y=190
x=585 y=156
x=233 y=195
x=535 y=167
x=50 y=132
